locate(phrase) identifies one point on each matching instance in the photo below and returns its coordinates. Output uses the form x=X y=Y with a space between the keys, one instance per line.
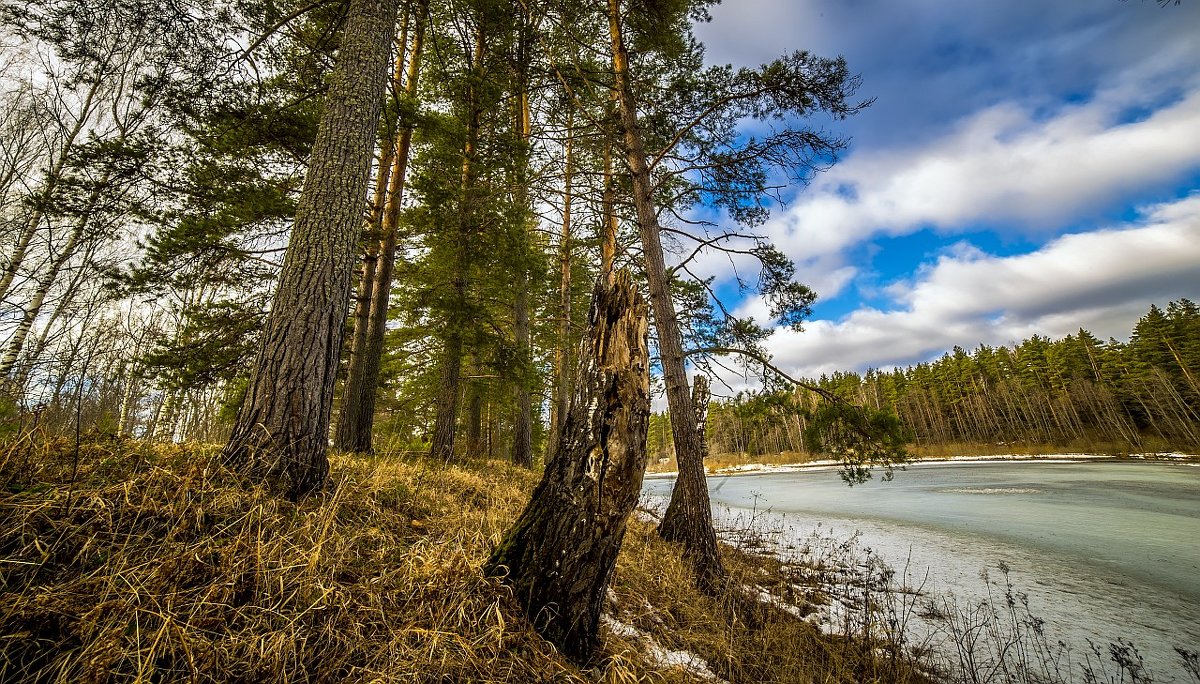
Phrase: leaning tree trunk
x=559 y=556
x=281 y=432
x=357 y=422
x=680 y=523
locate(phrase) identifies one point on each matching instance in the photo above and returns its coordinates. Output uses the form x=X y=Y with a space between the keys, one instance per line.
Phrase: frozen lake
x=1103 y=549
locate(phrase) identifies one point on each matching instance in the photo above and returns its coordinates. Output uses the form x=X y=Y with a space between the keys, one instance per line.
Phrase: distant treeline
x=1077 y=391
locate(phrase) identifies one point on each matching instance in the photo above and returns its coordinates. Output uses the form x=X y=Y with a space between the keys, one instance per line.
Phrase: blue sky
x=1027 y=167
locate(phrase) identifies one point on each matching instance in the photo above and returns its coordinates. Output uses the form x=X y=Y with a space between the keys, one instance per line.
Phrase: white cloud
x=1001 y=165
x=1101 y=280
x=1024 y=118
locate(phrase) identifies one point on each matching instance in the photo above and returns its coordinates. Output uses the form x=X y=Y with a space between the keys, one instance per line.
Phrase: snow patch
x=659 y=655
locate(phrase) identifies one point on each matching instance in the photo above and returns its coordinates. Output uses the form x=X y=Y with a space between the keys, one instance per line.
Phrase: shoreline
x=827 y=464
x=851 y=567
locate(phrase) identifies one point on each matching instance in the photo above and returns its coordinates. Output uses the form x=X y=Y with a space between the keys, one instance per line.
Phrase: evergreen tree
x=281 y=431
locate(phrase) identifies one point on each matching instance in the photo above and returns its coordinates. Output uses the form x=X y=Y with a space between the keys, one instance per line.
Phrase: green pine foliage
x=1074 y=392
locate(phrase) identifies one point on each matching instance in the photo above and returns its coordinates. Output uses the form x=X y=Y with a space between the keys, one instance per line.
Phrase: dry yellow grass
x=137 y=562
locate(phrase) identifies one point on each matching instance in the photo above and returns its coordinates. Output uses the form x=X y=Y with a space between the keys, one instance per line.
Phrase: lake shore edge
x=1178 y=458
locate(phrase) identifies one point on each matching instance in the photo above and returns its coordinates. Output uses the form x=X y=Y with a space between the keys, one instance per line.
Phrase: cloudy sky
x=1027 y=167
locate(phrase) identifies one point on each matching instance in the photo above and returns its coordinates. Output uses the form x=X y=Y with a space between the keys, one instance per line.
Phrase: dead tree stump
x=559 y=556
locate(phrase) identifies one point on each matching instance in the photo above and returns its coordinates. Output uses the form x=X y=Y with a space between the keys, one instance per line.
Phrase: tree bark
x=522 y=451
x=562 y=352
x=281 y=432
x=357 y=419
x=689 y=518
x=559 y=556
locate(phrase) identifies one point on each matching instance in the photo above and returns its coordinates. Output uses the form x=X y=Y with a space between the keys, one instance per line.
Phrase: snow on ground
x=659 y=655
x=844 y=574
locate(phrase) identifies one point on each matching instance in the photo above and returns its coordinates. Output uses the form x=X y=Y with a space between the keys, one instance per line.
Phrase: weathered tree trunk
x=281 y=431
x=357 y=418
x=560 y=555
x=690 y=520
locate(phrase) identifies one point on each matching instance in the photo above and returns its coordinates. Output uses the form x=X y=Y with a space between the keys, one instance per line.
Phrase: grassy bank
x=123 y=561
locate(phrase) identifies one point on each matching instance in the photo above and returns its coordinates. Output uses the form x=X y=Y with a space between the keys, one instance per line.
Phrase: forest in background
x=1077 y=392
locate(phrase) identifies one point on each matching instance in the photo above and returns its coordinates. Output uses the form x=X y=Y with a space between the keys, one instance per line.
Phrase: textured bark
x=691 y=520
x=357 y=419
x=522 y=452
x=559 y=556
x=281 y=432
x=562 y=353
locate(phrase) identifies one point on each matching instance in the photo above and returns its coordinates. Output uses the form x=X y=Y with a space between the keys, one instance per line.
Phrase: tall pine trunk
x=559 y=556
x=562 y=352
x=522 y=451
x=281 y=431
x=357 y=419
x=689 y=517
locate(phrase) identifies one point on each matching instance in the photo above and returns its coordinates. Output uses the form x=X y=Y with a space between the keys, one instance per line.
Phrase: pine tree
x=281 y=431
